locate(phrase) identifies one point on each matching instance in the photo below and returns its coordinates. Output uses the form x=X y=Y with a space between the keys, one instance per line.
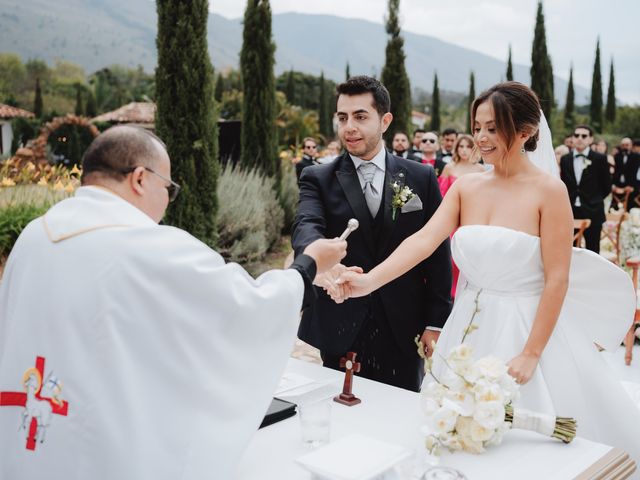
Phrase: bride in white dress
x=542 y=304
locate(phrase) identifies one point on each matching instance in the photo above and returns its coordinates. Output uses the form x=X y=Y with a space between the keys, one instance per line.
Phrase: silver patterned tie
x=371 y=195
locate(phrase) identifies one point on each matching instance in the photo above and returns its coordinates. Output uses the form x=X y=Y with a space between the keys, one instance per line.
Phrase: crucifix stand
x=350 y=365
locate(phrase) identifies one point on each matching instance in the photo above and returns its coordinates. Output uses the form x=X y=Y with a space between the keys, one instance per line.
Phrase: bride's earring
x=522 y=150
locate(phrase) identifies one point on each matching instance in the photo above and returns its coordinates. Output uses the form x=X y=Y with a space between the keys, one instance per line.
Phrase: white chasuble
x=130 y=350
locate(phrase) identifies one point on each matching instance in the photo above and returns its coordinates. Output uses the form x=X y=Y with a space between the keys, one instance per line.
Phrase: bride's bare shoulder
x=472 y=180
x=550 y=187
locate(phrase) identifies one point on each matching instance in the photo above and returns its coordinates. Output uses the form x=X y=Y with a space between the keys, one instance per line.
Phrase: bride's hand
x=356 y=284
x=522 y=367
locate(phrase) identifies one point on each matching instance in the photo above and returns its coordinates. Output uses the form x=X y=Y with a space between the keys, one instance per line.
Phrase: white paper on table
x=290 y=381
x=354 y=457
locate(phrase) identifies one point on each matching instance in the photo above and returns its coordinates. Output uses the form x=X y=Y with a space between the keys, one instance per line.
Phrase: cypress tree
x=290 y=89
x=219 y=89
x=435 y=106
x=610 y=111
x=595 y=110
x=541 y=69
x=79 y=108
x=37 y=102
x=569 y=119
x=91 y=110
x=509 y=67
x=472 y=97
x=258 y=134
x=347 y=73
x=323 y=110
x=186 y=117
x=394 y=75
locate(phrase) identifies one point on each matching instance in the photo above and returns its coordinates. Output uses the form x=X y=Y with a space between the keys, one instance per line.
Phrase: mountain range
x=98 y=33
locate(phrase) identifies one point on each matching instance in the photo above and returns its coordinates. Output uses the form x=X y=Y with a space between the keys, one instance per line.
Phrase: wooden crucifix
x=350 y=365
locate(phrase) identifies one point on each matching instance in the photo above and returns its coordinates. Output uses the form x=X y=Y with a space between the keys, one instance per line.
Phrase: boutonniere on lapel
x=401 y=195
x=585 y=163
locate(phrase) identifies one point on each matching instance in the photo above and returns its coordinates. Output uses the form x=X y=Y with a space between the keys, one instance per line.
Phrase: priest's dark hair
x=516 y=109
x=365 y=84
x=117 y=150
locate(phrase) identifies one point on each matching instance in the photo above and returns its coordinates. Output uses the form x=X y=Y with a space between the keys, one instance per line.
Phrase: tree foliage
x=435 y=106
x=569 y=115
x=595 y=109
x=37 y=101
x=258 y=136
x=471 y=98
x=509 y=67
x=185 y=117
x=394 y=75
x=610 y=111
x=541 y=68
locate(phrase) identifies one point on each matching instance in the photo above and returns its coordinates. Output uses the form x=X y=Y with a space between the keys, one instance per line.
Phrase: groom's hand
x=428 y=338
x=327 y=280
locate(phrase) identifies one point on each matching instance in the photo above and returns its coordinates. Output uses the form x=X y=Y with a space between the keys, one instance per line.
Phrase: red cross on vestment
x=19 y=399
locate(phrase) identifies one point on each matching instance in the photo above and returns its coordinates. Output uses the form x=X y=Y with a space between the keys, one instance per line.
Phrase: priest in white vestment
x=130 y=350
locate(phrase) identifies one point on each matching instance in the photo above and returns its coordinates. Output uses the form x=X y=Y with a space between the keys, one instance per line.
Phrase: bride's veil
x=544 y=156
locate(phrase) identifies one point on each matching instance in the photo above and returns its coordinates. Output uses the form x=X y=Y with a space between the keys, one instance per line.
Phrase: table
x=393 y=415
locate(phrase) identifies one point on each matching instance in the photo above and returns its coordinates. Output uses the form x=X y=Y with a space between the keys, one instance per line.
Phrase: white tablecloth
x=393 y=415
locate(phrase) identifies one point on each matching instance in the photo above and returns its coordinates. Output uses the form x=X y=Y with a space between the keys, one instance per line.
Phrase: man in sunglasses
x=142 y=354
x=586 y=175
x=309 y=154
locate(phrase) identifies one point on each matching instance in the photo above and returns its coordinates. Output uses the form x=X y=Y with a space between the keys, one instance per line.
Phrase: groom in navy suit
x=361 y=184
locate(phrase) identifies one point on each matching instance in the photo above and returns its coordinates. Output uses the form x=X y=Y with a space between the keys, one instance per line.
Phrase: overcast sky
x=573 y=27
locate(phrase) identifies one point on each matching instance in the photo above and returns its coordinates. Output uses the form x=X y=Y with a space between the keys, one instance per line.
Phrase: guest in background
x=636 y=146
x=568 y=141
x=625 y=172
x=331 y=153
x=601 y=146
x=400 y=145
x=448 y=138
x=430 y=145
x=463 y=163
x=585 y=172
x=416 y=147
x=309 y=154
x=561 y=151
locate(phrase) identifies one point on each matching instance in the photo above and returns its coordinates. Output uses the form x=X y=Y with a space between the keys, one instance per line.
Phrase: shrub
x=18 y=206
x=250 y=218
x=289 y=194
x=13 y=219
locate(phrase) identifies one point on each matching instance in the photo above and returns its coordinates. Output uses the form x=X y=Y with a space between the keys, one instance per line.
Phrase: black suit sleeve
x=306 y=267
x=437 y=268
x=309 y=224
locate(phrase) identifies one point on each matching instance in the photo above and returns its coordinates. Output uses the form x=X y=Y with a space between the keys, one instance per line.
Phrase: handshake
x=340 y=282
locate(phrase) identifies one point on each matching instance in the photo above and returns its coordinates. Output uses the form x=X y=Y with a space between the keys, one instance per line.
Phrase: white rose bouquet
x=471 y=406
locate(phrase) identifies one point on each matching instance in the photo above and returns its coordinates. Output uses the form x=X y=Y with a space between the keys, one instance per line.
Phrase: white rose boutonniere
x=586 y=163
x=401 y=195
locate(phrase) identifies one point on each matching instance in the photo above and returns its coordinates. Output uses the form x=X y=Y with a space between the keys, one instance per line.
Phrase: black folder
x=278 y=410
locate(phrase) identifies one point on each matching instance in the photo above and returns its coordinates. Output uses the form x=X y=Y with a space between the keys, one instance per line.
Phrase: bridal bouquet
x=470 y=407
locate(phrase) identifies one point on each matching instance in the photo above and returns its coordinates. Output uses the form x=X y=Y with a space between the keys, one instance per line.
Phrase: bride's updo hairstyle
x=517 y=110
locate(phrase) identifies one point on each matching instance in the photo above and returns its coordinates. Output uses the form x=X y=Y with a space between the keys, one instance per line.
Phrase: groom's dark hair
x=364 y=84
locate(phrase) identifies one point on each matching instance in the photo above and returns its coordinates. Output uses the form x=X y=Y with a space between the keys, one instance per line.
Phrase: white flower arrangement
x=471 y=406
x=630 y=236
x=401 y=195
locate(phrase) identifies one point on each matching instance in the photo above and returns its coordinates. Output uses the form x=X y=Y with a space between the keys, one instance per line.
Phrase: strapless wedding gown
x=503 y=269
